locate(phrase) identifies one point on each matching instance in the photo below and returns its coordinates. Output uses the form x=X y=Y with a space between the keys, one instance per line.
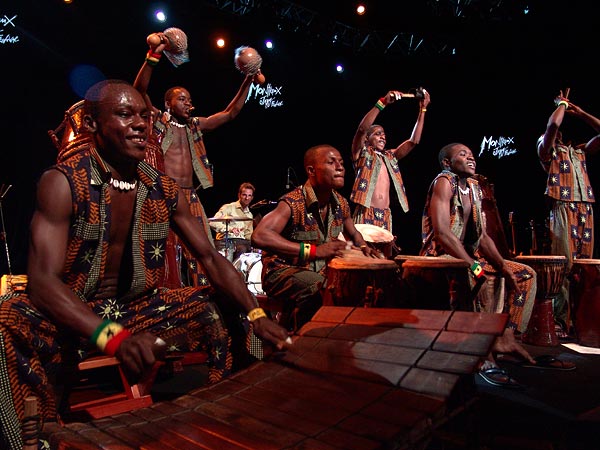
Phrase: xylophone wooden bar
x=355 y=378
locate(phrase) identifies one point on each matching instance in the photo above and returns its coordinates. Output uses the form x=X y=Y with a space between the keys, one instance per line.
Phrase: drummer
x=233 y=236
x=301 y=234
x=453 y=225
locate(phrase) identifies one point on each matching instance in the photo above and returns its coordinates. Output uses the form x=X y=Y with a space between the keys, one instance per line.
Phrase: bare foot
x=508 y=344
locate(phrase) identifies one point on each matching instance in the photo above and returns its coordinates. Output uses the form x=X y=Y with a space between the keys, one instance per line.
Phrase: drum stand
x=3 y=191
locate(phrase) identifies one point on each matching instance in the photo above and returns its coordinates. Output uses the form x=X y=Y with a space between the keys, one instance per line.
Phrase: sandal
x=542 y=362
x=549 y=362
x=497 y=376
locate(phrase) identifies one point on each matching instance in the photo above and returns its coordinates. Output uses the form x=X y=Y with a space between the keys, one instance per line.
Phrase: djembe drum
x=358 y=280
x=584 y=298
x=435 y=282
x=550 y=271
x=376 y=237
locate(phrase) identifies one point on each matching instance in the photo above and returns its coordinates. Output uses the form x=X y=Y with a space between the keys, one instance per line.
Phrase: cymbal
x=227 y=219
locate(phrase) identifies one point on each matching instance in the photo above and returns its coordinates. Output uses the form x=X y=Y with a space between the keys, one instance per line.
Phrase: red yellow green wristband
x=477 y=269
x=105 y=333
x=380 y=105
x=113 y=344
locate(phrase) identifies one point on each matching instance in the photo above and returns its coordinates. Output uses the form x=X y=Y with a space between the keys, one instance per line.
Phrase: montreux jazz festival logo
x=7 y=21
x=500 y=147
x=268 y=96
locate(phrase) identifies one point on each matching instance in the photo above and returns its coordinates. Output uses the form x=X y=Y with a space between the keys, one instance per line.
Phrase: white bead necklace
x=464 y=191
x=177 y=124
x=123 y=185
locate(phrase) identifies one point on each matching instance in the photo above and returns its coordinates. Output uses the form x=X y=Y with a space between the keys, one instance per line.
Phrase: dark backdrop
x=500 y=83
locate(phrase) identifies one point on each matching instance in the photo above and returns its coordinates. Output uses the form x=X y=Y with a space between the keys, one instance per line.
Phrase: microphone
x=288 y=182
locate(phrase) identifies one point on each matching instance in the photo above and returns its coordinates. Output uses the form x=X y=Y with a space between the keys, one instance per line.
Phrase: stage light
x=361 y=9
x=160 y=16
x=220 y=42
x=68 y=1
x=269 y=44
x=339 y=68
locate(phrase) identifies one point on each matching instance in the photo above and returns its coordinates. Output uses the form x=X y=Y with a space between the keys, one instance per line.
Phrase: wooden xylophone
x=355 y=378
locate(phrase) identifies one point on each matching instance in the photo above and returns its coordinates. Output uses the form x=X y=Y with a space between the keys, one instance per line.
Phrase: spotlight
x=361 y=9
x=160 y=16
x=339 y=68
x=220 y=42
x=269 y=44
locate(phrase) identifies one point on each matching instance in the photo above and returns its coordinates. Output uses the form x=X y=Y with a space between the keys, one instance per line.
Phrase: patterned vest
x=567 y=175
x=303 y=227
x=471 y=241
x=163 y=131
x=89 y=232
x=367 y=168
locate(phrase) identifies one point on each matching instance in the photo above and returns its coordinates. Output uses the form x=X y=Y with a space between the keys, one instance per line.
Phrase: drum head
x=254 y=278
x=250 y=265
x=372 y=233
x=355 y=260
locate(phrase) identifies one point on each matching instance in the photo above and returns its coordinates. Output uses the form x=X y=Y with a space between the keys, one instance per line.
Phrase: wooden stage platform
x=355 y=378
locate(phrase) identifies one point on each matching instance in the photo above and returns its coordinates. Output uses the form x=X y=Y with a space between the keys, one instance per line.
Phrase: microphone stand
x=3 y=191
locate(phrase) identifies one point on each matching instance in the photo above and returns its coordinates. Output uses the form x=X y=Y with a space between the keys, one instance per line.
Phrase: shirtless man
x=94 y=266
x=181 y=154
x=377 y=168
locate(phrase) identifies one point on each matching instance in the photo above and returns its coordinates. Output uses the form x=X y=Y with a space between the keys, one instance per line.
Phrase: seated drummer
x=237 y=233
x=301 y=234
x=453 y=224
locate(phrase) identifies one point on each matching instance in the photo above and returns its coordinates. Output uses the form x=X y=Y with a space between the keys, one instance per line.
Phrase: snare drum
x=250 y=265
x=550 y=271
x=584 y=297
x=358 y=280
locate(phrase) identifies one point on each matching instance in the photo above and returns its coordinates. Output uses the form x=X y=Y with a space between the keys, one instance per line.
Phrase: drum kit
x=228 y=247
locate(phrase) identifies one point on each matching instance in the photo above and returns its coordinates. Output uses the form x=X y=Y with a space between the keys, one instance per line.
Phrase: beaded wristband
x=476 y=269
x=113 y=344
x=563 y=103
x=256 y=313
x=379 y=105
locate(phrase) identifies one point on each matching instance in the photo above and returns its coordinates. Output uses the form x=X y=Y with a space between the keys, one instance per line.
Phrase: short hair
x=311 y=154
x=371 y=129
x=95 y=95
x=443 y=154
x=246 y=186
x=170 y=91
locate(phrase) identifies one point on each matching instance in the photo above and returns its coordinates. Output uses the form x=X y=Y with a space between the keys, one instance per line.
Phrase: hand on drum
x=339 y=248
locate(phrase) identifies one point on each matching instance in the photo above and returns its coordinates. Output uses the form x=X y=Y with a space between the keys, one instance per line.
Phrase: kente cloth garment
x=234 y=229
x=298 y=284
x=367 y=167
x=520 y=303
x=33 y=352
x=163 y=131
x=182 y=268
x=571 y=213
x=374 y=216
